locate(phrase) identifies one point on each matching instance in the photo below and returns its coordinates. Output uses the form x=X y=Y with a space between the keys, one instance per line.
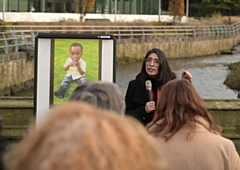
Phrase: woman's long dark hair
x=164 y=72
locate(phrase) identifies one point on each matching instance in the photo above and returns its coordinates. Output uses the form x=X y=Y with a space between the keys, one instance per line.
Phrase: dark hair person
x=102 y=94
x=156 y=69
x=186 y=132
x=78 y=135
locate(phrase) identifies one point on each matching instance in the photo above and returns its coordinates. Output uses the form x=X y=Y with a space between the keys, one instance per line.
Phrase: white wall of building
x=56 y=17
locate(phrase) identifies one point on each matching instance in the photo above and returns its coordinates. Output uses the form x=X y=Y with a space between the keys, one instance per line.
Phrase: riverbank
x=233 y=79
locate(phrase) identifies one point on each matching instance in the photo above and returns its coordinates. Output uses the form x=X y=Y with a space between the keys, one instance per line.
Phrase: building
x=150 y=7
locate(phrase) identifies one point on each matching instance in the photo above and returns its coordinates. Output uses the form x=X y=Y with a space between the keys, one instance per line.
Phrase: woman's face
x=152 y=63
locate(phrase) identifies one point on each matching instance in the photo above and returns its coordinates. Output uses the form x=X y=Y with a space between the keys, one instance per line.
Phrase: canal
x=209 y=73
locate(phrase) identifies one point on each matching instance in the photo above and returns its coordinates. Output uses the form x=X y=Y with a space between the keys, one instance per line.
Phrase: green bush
x=233 y=79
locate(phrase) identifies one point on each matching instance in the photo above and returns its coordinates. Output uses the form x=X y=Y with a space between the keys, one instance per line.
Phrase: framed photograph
x=63 y=61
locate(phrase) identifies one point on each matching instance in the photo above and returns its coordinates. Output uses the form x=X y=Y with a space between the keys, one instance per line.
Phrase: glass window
x=1 y=7
x=72 y=6
x=120 y=7
x=113 y=4
x=133 y=6
x=126 y=8
x=23 y=6
x=48 y=6
x=31 y=7
x=150 y=6
x=102 y=7
x=13 y=5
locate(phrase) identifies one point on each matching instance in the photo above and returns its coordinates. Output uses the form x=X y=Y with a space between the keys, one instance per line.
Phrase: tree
x=176 y=8
x=85 y=6
x=203 y=8
x=224 y=7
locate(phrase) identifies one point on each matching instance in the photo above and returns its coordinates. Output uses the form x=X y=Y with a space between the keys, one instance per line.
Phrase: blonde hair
x=81 y=136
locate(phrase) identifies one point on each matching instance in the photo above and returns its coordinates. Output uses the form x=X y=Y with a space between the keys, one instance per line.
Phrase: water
x=208 y=73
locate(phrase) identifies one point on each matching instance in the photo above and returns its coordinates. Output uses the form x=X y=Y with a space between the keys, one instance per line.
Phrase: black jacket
x=136 y=98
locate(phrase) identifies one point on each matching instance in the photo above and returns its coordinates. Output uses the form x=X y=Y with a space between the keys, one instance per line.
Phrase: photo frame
x=97 y=56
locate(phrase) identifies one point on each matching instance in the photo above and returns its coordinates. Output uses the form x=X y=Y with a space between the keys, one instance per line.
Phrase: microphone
x=148 y=85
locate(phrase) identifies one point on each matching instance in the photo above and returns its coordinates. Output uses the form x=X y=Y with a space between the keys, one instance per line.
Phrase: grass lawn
x=61 y=53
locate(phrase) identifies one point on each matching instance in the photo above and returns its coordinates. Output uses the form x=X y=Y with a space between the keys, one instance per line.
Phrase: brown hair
x=179 y=105
x=80 y=136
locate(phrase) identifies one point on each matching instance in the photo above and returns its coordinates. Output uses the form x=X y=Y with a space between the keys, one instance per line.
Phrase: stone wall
x=17 y=73
x=17 y=69
x=178 y=49
x=226 y=113
x=18 y=112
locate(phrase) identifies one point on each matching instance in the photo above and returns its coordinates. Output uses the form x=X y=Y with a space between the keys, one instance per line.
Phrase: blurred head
x=80 y=136
x=155 y=65
x=180 y=105
x=102 y=94
x=76 y=50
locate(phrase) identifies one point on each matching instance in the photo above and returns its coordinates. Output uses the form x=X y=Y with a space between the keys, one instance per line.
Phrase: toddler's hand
x=72 y=63
x=78 y=63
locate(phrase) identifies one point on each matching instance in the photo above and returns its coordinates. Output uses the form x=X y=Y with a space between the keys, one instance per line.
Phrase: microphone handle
x=149 y=95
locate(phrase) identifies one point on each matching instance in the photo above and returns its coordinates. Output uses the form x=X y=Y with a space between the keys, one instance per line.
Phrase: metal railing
x=14 y=37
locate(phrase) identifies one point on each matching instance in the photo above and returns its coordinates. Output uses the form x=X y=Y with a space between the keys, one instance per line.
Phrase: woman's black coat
x=136 y=99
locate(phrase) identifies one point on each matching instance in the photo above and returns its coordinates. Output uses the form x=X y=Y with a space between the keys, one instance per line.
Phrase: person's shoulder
x=134 y=84
x=226 y=142
x=228 y=147
x=133 y=81
x=223 y=142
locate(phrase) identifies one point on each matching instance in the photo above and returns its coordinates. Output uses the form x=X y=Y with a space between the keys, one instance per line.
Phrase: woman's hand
x=187 y=75
x=150 y=106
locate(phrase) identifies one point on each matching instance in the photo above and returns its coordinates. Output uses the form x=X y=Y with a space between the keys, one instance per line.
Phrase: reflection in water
x=208 y=73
